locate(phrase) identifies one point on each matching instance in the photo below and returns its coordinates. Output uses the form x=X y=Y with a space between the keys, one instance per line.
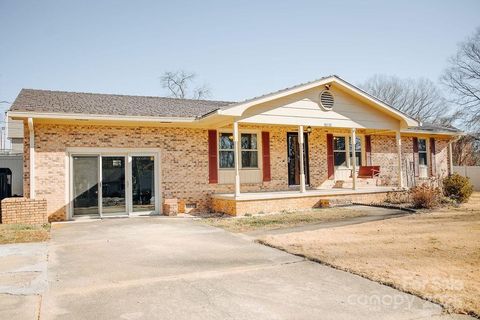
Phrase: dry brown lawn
x=17 y=233
x=282 y=220
x=435 y=255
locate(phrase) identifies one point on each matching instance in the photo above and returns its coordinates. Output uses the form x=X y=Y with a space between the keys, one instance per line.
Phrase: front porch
x=315 y=146
x=293 y=200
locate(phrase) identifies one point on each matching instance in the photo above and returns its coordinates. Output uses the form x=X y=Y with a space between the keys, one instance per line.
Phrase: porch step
x=361 y=182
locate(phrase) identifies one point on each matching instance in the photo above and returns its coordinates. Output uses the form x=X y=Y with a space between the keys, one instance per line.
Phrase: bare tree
x=463 y=78
x=466 y=151
x=419 y=98
x=179 y=84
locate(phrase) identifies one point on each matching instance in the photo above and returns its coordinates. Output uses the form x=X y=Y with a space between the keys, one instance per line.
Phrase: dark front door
x=294 y=158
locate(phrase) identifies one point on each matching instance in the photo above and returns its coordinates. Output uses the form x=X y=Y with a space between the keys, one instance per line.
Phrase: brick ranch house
x=107 y=155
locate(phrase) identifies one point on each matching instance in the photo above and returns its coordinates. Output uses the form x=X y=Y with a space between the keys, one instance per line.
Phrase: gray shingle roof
x=31 y=100
x=430 y=127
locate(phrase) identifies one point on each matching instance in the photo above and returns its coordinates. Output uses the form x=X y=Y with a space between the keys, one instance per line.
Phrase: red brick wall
x=184 y=158
x=240 y=208
x=23 y=210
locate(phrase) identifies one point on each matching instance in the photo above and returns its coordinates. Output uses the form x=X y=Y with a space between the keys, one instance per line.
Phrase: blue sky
x=240 y=48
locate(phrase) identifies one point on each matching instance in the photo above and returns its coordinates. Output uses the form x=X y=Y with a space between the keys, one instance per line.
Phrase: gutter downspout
x=32 y=157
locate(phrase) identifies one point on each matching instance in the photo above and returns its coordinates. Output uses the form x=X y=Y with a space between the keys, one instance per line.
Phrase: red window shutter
x=433 y=164
x=267 y=176
x=368 y=149
x=415 y=155
x=330 y=164
x=212 y=157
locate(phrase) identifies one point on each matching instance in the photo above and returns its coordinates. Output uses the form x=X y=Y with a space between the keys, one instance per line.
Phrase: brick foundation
x=242 y=207
x=23 y=210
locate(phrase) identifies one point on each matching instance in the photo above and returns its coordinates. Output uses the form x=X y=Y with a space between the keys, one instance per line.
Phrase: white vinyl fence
x=472 y=172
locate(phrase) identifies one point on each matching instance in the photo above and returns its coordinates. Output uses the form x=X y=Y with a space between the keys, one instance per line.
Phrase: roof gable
x=238 y=109
x=303 y=108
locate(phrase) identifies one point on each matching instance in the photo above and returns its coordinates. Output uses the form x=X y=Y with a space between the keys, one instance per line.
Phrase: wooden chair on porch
x=369 y=171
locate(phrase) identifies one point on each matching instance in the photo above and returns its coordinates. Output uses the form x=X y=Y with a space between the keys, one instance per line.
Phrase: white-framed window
x=422 y=152
x=339 y=151
x=249 y=146
x=226 y=153
x=341 y=157
x=248 y=150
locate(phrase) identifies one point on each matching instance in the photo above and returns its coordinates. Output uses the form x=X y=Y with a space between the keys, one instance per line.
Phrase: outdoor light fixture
x=309 y=129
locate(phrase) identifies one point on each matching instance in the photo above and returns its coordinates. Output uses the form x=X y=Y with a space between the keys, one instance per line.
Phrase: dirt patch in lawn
x=282 y=220
x=18 y=233
x=435 y=255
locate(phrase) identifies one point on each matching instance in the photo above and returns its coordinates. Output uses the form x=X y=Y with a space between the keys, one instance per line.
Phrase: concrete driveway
x=23 y=279
x=167 y=268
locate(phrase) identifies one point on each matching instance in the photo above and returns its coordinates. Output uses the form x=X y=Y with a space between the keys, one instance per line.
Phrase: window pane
x=85 y=185
x=422 y=145
x=422 y=158
x=226 y=159
x=143 y=183
x=358 y=157
x=339 y=143
x=226 y=141
x=249 y=159
x=340 y=158
x=358 y=143
x=249 y=141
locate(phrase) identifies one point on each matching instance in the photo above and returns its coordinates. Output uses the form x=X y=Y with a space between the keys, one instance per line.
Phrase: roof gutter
x=446 y=133
x=77 y=116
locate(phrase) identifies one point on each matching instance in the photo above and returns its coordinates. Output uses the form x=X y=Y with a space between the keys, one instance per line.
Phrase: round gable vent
x=326 y=100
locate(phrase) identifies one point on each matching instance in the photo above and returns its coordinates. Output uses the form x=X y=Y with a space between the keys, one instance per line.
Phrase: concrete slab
x=19 y=307
x=23 y=279
x=150 y=268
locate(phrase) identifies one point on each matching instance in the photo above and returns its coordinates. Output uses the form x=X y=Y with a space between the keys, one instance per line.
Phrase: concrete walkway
x=371 y=214
x=23 y=279
x=160 y=268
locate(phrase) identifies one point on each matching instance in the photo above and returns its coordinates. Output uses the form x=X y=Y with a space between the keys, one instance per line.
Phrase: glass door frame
x=118 y=152
x=129 y=173
x=72 y=181
x=100 y=185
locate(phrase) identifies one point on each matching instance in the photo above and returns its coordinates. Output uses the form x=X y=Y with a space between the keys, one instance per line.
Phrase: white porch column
x=450 y=158
x=302 y=164
x=32 y=157
x=237 y=158
x=399 y=152
x=353 y=159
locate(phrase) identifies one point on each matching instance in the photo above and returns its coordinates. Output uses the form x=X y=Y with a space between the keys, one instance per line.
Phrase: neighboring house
x=15 y=135
x=101 y=154
x=11 y=161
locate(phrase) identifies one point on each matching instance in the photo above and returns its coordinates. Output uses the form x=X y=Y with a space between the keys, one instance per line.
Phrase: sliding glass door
x=143 y=184
x=85 y=185
x=114 y=184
